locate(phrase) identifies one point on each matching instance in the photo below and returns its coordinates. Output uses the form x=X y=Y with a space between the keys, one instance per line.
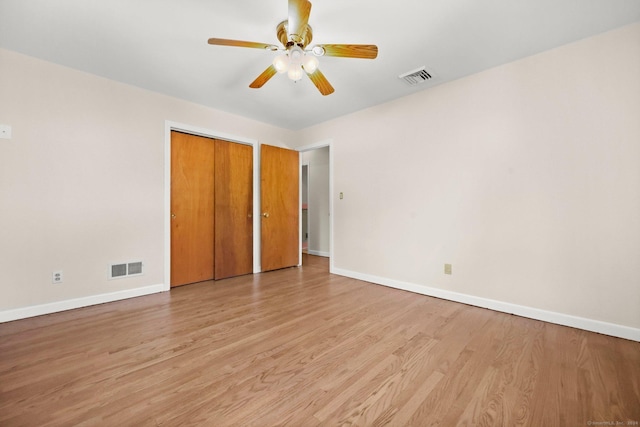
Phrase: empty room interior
x=286 y=212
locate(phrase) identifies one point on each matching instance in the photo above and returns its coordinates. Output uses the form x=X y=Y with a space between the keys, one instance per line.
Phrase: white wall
x=525 y=177
x=318 y=161
x=82 y=181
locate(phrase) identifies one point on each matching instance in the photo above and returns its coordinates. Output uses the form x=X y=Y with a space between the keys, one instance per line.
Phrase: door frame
x=302 y=166
x=311 y=147
x=208 y=133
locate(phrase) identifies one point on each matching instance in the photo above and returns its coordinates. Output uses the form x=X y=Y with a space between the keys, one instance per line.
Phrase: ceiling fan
x=295 y=34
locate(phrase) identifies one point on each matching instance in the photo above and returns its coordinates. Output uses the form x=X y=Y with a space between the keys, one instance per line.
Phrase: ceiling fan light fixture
x=281 y=63
x=310 y=63
x=293 y=62
x=295 y=73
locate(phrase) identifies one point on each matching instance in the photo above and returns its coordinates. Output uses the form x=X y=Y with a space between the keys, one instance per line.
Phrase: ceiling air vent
x=415 y=77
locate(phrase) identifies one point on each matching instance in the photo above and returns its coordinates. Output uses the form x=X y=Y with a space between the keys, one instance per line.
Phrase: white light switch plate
x=5 y=132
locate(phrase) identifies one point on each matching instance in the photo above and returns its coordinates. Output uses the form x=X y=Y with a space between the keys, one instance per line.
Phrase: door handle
x=266 y=214
x=173 y=216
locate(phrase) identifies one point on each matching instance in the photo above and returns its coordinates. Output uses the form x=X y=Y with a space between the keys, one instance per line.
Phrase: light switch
x=5 y=132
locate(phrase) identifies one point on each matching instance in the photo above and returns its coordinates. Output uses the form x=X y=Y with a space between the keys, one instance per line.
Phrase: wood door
x=233 y=209
x=192 y=208
x=280 y=195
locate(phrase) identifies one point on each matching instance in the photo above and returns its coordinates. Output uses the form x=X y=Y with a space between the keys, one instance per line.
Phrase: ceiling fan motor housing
x=283 y=35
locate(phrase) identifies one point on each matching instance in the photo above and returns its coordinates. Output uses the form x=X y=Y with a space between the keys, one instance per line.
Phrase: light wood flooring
x=301 y=347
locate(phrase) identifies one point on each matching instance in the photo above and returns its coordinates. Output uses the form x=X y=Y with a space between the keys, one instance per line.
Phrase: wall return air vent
x=125 y=269
x=415 y=77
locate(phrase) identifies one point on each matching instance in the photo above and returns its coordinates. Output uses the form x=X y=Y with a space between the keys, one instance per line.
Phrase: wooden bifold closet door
x=211 y=208
x=233 y=209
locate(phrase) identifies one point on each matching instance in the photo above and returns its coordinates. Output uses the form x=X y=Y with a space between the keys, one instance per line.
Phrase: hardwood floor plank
x=302 y=347
x=347 y=363
x=286 y=362
x=371 y=402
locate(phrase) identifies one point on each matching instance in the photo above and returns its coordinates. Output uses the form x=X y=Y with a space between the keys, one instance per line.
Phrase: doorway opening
x=304 y=187
x=316 y=204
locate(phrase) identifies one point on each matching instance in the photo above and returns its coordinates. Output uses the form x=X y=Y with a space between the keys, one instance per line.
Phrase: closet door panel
x=192 y=208
x=233 y=209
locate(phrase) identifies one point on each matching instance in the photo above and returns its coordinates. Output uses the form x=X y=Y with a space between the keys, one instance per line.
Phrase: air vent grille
x=134 y=268
x=125 y=269
x=118 y=270
x=415 y=77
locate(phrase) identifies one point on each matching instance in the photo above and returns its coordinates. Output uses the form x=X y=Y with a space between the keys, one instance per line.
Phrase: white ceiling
x=161 y=45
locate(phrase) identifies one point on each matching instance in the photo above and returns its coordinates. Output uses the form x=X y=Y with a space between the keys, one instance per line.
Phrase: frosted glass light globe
x=310 y=63
x=295 y=73
x=281 y=63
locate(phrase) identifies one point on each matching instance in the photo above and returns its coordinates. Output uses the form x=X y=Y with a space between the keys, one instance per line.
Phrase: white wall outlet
x=5 y=132
x=56 y=277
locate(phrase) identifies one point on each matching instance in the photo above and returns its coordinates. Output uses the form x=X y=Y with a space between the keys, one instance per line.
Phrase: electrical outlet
x=56 y=277
x=5 y=132
x=447 y=269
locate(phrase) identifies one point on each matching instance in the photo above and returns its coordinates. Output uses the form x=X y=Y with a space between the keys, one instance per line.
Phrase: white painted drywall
x=525 y=177
x=319 y=220
x=81 y=180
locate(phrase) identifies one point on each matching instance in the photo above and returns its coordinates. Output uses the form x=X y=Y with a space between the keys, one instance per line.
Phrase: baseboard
x=318 y=253
x=612 y=329
x=54 y=307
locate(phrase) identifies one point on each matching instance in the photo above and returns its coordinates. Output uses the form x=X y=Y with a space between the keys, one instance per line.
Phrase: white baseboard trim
x=605 y=328
x=54 y=307
x=318 y=253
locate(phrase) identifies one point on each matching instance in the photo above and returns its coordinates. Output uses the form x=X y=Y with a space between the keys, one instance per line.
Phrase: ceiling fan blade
x=299 y=11
x=264 y=77
x=240 y=43
x=321 y=82
x=364 y=51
